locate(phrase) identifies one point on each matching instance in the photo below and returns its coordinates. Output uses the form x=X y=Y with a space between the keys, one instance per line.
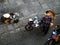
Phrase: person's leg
x=43 y=28
x=46 y=29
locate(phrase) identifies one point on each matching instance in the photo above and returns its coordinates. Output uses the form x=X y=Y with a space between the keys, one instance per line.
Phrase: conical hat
x=7 y=15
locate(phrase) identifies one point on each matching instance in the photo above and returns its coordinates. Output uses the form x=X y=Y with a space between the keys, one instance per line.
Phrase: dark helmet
x=47 y=12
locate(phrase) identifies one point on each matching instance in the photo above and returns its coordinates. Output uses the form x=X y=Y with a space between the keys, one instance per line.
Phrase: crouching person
x=10 y=18
x=6 y=18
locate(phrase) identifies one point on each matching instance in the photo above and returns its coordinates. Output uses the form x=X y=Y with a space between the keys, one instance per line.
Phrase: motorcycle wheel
x=28 y=28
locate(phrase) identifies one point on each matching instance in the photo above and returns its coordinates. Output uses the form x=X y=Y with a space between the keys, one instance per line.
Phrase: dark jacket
x=47 y=19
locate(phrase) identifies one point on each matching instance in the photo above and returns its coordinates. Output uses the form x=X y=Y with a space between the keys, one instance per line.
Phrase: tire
x=28 y=28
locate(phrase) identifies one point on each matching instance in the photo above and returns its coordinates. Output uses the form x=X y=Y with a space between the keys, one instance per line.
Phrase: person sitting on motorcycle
x=52 y=35
x=55 y=38
x=58 y=29
x=52 y=38
x=6 y=18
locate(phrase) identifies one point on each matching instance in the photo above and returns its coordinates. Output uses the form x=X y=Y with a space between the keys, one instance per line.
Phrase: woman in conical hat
x=6 y=17
x=51 y=13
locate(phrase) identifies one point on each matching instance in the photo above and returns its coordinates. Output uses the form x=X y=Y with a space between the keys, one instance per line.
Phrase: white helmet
x=30 y=19
x=7 y=15
x=54 y=33
x=36 y=17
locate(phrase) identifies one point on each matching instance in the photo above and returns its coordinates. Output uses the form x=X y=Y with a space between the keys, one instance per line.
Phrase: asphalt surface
x=15 y=34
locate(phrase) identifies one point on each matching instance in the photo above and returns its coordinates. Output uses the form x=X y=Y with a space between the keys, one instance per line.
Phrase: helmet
x=35 y=18
x=7 y=15
x=54 y=33
x=30 y=19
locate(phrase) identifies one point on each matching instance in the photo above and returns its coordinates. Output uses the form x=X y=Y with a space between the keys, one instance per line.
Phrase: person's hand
x=51 y=24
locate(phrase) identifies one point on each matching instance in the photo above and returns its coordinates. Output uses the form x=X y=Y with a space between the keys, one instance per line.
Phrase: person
x=53 y=37
x=5 y=18
x=58 y=29
x=46 y=21
x=51 y=13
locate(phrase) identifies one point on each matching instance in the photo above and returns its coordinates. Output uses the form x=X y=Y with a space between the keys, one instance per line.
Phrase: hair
x=11 y=13
x=47 y=12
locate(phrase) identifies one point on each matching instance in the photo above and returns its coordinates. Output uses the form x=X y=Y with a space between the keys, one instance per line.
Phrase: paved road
x=13 y=34
x=23 y=37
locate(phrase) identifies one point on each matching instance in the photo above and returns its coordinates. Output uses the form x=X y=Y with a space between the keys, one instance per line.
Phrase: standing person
x=47 y=21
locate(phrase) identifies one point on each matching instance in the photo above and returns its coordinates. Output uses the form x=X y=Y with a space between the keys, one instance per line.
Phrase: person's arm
x=51 y=22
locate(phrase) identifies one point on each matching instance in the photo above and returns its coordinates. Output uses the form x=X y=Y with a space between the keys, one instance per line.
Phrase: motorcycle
x=34 y=26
